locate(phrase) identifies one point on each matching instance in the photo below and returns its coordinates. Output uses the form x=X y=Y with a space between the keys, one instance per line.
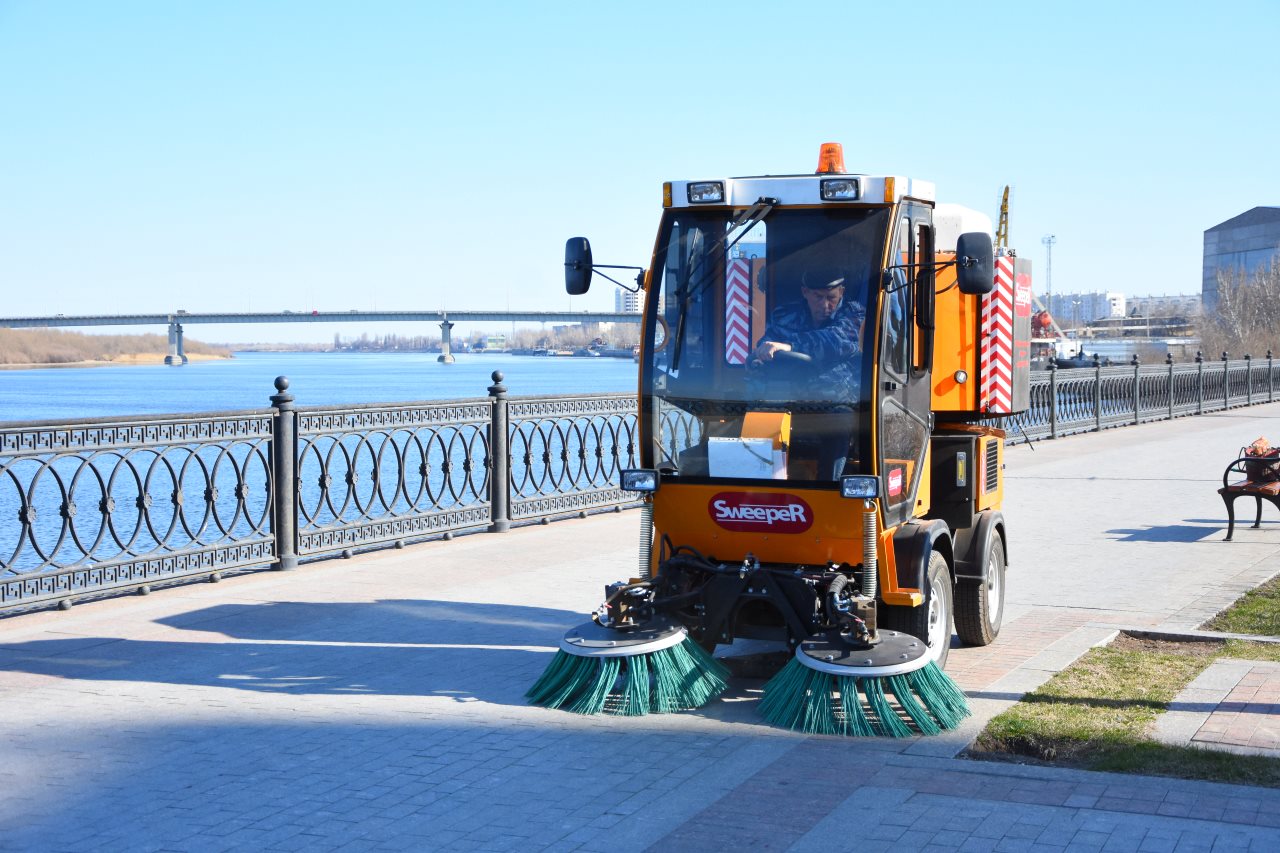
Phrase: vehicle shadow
x=461 y=650
x=387 y=621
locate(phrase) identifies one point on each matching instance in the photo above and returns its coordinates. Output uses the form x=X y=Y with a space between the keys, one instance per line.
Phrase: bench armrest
x=1243 y=464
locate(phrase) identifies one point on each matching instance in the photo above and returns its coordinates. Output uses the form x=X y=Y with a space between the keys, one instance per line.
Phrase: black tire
x=931 y=621
x=980 y=604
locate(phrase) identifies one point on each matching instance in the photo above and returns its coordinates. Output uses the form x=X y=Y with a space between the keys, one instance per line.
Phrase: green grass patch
x=1251 y=651
x=1098 y=713
x=1256 y=612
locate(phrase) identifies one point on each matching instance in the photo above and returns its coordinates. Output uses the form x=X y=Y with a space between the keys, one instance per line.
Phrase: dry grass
x=1098 y=713
x=55 y=346
x=1256 y=612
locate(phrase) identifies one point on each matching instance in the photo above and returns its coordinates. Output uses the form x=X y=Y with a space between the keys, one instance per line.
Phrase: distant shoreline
x=133 y=359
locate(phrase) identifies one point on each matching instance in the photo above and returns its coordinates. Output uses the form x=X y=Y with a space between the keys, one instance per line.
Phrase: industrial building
x=1178 y=305
x=1246 y=243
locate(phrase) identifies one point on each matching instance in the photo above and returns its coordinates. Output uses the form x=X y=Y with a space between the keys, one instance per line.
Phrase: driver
x=825 y=327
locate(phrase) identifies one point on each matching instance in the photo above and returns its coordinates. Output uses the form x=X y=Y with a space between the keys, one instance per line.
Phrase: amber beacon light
x=831 y=159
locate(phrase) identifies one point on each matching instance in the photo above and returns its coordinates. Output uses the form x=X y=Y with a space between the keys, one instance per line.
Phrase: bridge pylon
x=446 y=344
x=176 y=357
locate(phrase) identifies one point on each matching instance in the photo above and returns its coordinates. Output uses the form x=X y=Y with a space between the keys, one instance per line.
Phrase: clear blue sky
x=271 y=155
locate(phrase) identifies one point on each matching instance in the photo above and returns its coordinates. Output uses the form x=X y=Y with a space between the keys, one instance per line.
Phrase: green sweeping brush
x=651 y=669
x=830 y=688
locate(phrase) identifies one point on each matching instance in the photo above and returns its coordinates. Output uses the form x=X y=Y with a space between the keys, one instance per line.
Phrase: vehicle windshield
x=756 y=366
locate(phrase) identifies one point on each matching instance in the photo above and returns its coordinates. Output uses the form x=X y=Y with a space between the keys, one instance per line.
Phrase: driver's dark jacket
x=835 y=373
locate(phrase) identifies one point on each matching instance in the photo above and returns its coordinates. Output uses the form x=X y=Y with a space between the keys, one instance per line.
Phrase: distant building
x=626 y=302
x=1245 y=244
x=1072 y=310
x=1181 y=305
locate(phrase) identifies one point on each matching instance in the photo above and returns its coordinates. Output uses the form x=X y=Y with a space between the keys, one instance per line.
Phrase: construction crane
x=1002 y=231
x=1002 y=242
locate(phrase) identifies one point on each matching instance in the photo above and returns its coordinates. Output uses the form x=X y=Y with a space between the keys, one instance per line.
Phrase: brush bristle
x=675 y=679
x=806 y=700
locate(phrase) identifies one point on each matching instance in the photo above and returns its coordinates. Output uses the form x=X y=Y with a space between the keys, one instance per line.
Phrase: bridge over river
x=377 y=702
x=177 y=320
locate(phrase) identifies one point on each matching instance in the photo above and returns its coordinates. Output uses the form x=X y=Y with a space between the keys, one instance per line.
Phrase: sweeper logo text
x=760 y=513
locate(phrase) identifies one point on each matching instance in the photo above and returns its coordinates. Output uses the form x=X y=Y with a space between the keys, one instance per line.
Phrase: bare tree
x=1247 y=316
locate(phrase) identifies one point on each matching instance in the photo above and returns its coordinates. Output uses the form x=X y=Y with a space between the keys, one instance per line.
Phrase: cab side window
x=897 y=332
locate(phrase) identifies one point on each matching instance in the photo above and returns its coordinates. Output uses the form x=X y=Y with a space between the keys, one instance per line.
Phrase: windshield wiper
x=749 y=218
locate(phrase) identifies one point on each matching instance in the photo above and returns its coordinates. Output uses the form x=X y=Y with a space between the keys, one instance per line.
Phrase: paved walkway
x=1234 y=705
x=376 y=703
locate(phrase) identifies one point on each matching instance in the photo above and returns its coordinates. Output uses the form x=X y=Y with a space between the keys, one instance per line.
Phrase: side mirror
x=975 y=263
x=577 y=265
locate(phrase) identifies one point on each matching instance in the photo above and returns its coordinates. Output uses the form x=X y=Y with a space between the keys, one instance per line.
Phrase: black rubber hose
x=837 y=585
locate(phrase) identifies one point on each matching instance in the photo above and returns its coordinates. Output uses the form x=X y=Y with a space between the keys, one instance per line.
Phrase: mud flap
x=973 y=544
x=913 y=542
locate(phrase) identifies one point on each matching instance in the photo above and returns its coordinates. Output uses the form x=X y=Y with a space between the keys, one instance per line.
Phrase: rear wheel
x=980 y=604
x=931 y=621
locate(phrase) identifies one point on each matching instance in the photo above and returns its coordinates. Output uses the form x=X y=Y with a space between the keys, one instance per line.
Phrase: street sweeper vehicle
x=824 y=358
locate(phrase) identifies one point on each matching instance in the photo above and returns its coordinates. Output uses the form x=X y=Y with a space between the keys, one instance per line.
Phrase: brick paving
x=1042 y=639
x=1250 y=714
x=376 y=703
x=1234 y=705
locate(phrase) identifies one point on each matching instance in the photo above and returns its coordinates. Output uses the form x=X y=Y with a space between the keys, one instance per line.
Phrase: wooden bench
x=1247 y=467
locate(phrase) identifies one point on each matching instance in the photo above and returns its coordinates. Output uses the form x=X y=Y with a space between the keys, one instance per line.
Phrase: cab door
x=905 y=417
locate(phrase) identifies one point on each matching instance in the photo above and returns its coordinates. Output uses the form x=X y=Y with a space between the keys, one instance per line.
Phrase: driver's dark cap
x=822 y=279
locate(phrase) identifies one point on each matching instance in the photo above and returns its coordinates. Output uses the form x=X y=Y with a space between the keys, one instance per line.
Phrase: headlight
x=640 y=480
x=860 y=487
x=840 y=189
x=706 y=192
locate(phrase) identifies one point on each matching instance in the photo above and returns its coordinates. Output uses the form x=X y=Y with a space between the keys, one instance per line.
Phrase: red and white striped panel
x=737 y=311
x=995 y=355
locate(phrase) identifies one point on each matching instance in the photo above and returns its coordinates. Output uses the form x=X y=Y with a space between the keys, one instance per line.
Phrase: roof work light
x=706 y=192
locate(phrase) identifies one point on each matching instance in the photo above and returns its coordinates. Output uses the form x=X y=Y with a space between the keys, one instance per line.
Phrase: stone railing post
x=1137 y=390
x=1226 y=381
x=1271 y=385
x=1097 y=393
x=1168 y=360
x=1199 y=382
x=499 y=459
x=284 y=473
x=1053 y=399
x=1248 y=379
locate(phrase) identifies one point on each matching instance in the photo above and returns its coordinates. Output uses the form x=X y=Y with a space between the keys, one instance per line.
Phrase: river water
x=315 y=379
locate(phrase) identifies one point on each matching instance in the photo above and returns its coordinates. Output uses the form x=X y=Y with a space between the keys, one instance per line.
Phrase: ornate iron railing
x=102 y=504
x=566 y=454
x=114 y=504
x=99 y=506
x=1087 y=399
x=373 y=475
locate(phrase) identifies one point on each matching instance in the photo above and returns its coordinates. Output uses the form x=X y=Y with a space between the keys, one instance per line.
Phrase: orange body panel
x=987 y=494
x=990 y=495
x=955 y=344
x=685 y=513
x=926 y=483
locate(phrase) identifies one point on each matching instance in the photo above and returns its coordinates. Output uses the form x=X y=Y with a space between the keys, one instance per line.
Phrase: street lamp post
x=1048 y=241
